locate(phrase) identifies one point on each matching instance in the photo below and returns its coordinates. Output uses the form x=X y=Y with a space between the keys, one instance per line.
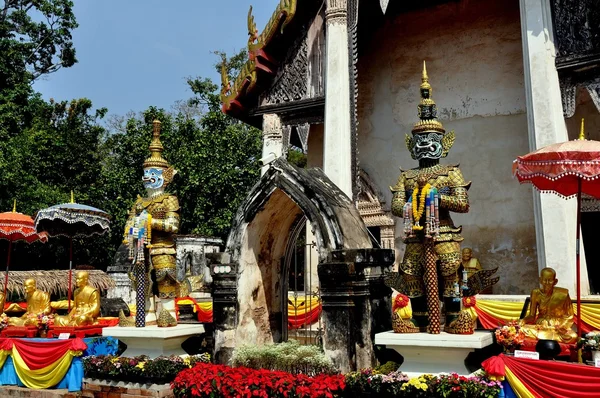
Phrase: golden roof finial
x=156 y=149
x=581 y=131
x=425 y=79
x=15 y=206
x=72 y=197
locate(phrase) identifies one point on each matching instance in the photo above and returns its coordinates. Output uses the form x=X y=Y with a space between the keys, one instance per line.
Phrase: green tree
x=35 y=40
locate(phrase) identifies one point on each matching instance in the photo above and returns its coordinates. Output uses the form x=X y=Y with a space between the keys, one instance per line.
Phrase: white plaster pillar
x=555 y=217
x=337 y=147
x=272 y=139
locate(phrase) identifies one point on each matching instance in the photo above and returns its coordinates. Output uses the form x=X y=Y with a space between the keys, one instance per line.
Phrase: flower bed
x=140 y=369
x=397 y=384
x=208 y=380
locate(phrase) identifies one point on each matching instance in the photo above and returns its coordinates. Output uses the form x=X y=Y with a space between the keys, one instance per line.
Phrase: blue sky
x=137 y=53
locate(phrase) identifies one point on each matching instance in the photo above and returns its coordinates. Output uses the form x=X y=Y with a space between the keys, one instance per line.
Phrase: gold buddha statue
x=550 y=311
x=149 y=235
x=87 y=304
x=469 y=263
x=38 y=302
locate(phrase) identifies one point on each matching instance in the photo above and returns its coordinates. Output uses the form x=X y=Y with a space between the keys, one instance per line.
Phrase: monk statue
x=424 y=197
x=470 y=263
x=550 y=311
x=149 y=231
x=38 y=302
x=87 y=304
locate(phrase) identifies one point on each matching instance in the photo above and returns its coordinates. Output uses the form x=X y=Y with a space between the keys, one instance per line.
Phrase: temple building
x=340 y=79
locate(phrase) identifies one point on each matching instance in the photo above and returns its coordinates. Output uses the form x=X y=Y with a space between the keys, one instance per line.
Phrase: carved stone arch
x=370 y=204
x=260 y=234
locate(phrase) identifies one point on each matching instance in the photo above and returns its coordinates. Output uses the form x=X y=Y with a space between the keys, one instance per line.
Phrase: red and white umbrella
x=567 y=169
x=17 y=227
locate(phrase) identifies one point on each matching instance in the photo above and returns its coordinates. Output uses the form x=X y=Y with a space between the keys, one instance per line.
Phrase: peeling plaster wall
x=260 y=273
x=474 y=60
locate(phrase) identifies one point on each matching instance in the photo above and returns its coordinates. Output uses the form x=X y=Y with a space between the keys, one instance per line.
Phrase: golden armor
x=87 y=304
x=38 y=302
x=550 y=311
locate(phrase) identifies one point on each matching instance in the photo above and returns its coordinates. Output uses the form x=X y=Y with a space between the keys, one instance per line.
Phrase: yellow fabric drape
x=509 y=310
x=504 y=310
x=303 y=305
x=206 y=306
x=590 y=314
x=3 y=355
x=516 y=385
x=46 y=377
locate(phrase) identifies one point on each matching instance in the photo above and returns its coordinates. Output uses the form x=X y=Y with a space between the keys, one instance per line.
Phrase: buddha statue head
x=429 y=141
x=467 y=253
x=30 y=286
x=157 y=171
x=548 y=280
x=81 y=279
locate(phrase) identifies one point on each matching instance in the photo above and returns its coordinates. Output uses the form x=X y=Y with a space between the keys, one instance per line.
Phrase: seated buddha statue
x=87 y=304
x=470 y=263
x=38 y=302
x=550 y=311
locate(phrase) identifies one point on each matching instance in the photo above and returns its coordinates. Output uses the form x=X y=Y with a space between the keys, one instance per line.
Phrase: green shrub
x=289 y=357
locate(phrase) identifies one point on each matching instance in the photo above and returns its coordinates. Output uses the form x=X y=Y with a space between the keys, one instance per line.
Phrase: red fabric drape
x=552 y=378
x=308 y=318
x=21 y=304
x=39 y=354
x=488 y=321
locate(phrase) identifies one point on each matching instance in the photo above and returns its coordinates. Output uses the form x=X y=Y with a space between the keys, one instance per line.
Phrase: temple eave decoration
x=261 y=65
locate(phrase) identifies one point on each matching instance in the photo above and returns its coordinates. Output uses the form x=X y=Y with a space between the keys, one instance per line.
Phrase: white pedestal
x=152 y=340
x=434 y=353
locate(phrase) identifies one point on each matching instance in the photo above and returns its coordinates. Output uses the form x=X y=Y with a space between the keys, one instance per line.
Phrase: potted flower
x=591 y=342
x=44 y=323
x=510 y=336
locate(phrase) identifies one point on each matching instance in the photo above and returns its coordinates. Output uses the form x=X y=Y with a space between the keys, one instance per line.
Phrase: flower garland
x=413 y=212
x=418 y=212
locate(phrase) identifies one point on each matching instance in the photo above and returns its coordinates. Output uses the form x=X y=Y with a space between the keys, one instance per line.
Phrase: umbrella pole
x=578 y=260
x=7 y=265
x=70 y=272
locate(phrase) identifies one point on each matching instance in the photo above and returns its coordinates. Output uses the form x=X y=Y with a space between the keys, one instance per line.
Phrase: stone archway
x=260 y=234
x=257 y=243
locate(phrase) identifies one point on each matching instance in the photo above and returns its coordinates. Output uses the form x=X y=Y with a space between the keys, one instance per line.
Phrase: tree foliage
x=62 y=146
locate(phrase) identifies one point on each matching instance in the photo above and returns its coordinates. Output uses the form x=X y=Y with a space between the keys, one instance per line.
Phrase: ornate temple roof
x=266 y=51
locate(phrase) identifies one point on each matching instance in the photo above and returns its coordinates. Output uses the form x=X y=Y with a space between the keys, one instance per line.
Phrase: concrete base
x=434 y=353
x=152 y=340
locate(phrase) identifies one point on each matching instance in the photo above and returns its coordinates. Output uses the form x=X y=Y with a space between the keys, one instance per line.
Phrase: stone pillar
x=272 y=139
x=339 y=325
x=356 y=305
x=555 y=218
x=224 y=292
x=337 y=147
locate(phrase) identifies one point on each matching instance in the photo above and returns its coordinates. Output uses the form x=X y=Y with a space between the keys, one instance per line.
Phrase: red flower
x=469 y=301
x=400 y=301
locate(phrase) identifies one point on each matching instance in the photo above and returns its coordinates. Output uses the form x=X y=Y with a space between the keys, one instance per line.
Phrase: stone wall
x=474 y=59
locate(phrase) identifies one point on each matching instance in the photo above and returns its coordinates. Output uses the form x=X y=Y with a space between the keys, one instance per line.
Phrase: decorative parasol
x=567 y=169
x=17 y=227
x=72 y=220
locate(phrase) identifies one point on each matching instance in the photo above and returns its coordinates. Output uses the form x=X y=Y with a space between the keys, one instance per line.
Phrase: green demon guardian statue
x=149 y=231
x=424 y=198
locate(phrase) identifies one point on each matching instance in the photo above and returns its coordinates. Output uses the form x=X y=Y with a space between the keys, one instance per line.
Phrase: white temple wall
x=475 y=65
